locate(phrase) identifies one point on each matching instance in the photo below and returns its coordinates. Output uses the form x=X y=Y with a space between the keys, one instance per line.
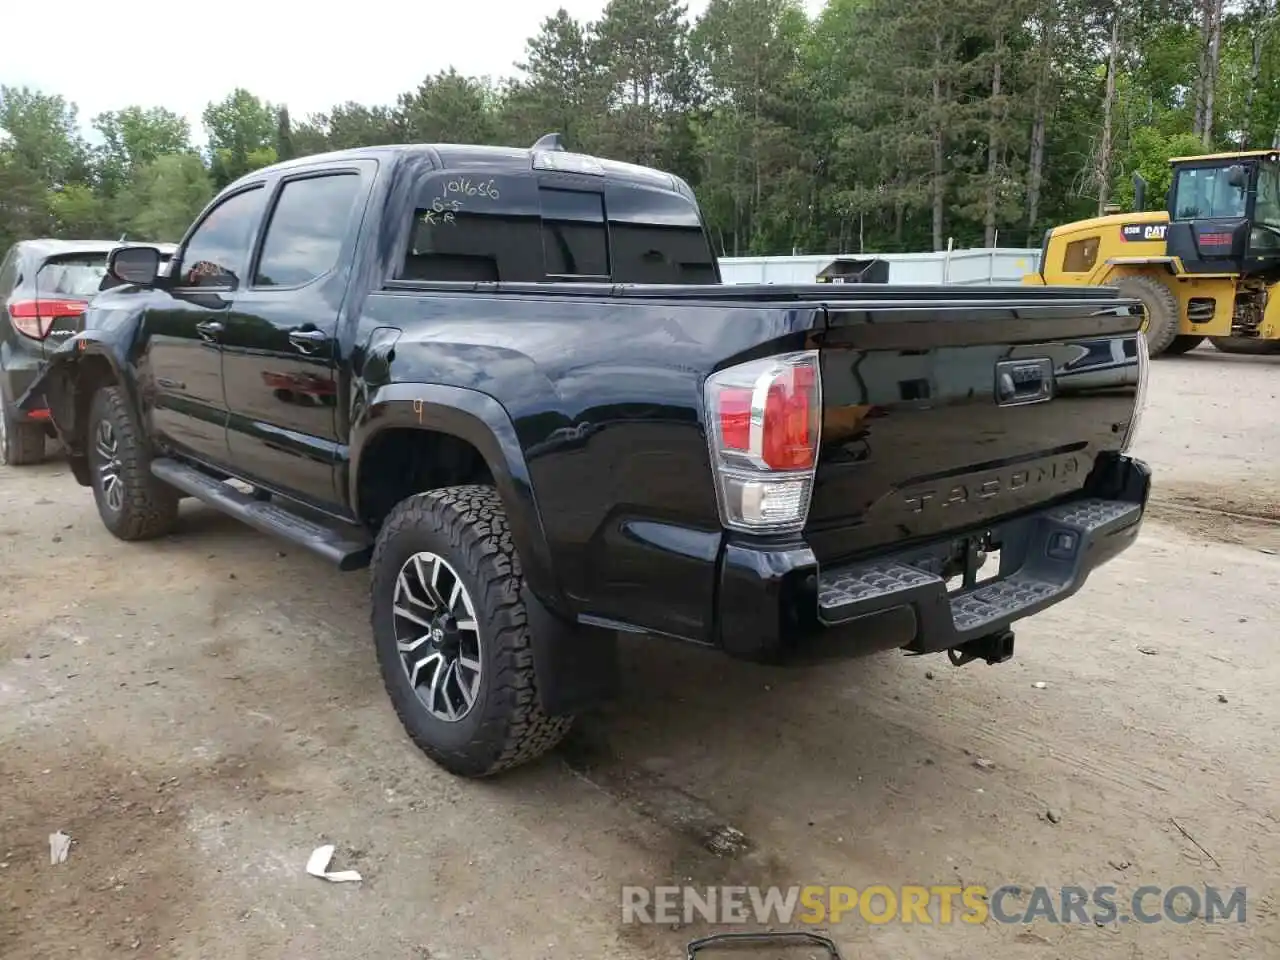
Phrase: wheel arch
x=81 y=367
x=452 y=423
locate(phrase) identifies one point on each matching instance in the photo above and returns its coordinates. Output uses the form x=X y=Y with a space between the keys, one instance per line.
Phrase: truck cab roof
x=491 y=214
x=492 y=159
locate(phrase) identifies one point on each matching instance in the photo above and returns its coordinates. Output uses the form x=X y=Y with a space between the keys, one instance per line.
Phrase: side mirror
x=1238 y=177
x=140 y=265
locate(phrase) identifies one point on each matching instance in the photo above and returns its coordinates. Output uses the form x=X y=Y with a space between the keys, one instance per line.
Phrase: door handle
x=307 y=341
x=209 y=330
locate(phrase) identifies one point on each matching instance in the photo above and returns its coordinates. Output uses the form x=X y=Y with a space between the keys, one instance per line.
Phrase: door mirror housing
x=1238 y=176
x=139 y=265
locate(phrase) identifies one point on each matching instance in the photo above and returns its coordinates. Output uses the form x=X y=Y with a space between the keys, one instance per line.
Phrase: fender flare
x=63 y=367
x=480 y=420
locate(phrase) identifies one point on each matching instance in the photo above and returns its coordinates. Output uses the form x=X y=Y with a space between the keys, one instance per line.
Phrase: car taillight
x=764 y=420
x=34 y=318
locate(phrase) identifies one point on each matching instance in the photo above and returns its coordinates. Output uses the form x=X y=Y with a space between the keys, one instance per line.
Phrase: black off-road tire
x=1163 y=312
x=506 y=727
x=1248 y=346
x=1183 y=344
x=150 y=506
x=21 y=442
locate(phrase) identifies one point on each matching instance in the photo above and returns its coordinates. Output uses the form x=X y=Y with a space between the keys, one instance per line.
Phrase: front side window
x=1264 y=238
x=306 y=231
x=1206 y=194
x=1267 y=208
x=220 y=246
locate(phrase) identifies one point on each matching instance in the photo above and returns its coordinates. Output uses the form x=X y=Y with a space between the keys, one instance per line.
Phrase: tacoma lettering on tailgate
x=990 y=485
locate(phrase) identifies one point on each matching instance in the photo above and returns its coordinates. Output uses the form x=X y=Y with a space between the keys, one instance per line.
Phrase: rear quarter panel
x=605 y=398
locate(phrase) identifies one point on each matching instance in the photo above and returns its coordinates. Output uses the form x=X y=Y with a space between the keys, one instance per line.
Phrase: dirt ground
x=199 y=713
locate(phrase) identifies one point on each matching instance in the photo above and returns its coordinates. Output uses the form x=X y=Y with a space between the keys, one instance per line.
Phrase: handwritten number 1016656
x=450 y=199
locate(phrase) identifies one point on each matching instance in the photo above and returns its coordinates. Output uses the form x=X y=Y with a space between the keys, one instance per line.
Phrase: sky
x=308 y=57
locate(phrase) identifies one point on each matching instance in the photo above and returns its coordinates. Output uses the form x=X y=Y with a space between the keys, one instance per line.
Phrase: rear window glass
x=515 y=230
x=574 y=241
x=77 y=276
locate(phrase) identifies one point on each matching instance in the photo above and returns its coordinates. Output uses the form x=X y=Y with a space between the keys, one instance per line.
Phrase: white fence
x=980 y=266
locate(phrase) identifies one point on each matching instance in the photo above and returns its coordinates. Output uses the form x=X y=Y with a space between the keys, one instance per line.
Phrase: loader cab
x=1224 y=214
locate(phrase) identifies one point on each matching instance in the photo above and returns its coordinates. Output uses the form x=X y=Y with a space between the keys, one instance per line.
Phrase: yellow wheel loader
x=1203 y=267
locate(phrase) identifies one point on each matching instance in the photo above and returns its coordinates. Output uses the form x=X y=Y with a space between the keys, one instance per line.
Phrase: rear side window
x=575 y=244
x=513 y=230
x=477 y=229
x=655 y=236
x=306 y=231
x=78 y=277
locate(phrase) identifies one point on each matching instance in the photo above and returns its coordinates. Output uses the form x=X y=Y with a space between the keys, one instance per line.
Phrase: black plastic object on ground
x=855 y=270
x=786 y=939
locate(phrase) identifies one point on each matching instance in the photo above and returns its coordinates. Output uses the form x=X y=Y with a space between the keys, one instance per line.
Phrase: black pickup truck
x=512 y=383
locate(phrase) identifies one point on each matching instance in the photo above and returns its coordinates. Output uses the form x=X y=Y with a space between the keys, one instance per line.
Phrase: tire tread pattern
x=513 y=729
x=26 y=443
x=1164 y=314
x=151 y=506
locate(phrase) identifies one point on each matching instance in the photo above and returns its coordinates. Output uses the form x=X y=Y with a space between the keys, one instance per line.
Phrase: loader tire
x=1249 y=346
x=1183 y=344
x=1164 y=315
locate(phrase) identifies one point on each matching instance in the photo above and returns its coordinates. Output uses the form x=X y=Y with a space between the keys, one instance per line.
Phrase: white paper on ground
x=59 y=847
x=318 y=866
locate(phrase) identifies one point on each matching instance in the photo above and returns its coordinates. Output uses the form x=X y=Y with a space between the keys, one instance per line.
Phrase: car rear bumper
x=777 y=602
x=20 y=371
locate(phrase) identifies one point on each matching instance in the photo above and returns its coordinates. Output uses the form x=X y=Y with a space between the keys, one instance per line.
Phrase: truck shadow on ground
x=755 y=729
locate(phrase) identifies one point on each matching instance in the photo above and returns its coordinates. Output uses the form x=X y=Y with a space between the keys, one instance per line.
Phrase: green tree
x=560 y=88
x=164 y=197
x=284 y=135
x=450 y=108
x=640 y=48
x=42 y=136
x=757 y=160
x=134 y=137
x=242 y=130
x=24 y=208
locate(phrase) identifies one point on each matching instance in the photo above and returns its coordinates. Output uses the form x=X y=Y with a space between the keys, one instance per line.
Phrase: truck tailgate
x=943 y=417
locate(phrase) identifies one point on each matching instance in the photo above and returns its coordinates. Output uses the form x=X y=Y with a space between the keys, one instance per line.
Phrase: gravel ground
x=199 y=713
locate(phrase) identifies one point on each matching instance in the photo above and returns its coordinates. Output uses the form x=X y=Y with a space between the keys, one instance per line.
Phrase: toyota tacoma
x=511 y=382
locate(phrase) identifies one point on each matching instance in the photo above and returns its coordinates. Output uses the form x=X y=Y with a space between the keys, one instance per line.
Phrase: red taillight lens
x=735 y=418
x=787 y=436
x=35 y=318
x=764 y=421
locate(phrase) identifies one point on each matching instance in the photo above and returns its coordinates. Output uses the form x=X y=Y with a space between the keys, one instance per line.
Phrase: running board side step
x=334 y=545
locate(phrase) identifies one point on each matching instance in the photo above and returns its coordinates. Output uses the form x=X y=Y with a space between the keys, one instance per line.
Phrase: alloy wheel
x=437 y=636
x=107 y=448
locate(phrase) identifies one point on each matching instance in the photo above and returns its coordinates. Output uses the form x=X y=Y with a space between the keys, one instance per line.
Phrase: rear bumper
x=20 y=371
x=778 y=602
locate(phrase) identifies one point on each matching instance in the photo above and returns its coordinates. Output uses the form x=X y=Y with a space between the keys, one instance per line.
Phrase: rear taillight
x=763 y=424
x=35 y=318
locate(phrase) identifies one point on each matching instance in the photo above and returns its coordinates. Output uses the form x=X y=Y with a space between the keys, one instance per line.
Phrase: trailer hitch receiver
x=993 y=648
